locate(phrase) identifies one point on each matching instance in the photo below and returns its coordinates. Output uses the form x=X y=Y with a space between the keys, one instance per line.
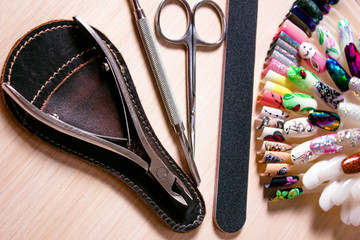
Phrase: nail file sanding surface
x=233 y=159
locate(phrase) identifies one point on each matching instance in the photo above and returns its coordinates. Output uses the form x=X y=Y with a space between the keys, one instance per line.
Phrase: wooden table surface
x=48 y=194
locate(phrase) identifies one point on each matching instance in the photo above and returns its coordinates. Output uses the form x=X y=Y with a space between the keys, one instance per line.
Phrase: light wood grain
x=48 y=194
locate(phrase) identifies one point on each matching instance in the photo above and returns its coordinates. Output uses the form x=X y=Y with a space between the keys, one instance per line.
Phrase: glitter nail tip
x=350 y=111
x=338 y=74
x=326 y=144
x=349 y=137
x=299 y=127
x=351 y=164
x=353 y=59
x=328 y=42
x=312 y=57
x=299 y=102
x=324 y=119
x=330 y=96
x=302 y=78
x=354 y=85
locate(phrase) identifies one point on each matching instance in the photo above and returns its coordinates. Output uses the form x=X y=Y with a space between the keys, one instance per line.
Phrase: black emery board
x=236 y=111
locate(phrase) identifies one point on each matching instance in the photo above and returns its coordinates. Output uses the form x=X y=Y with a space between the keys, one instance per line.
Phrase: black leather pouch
x=57 y=86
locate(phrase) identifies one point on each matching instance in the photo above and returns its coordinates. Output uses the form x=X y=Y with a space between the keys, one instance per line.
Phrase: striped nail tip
x=302 y=77
x=299 y=127
x=311 y=9
x=286 y=194
x=271 y=99
x=354 y=85
x=324 y=119
x=353 y=59
x=282 y=181
x=351 y=164
x=338 y=74
x=350 y=111
x=349 y=137
x=330 y=96
x=312 y=57
x=326 y=144
x=328 y=42
x=275 y=146
x=299 y=102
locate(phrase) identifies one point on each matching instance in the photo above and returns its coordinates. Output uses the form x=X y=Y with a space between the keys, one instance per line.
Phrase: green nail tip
x=302 y=77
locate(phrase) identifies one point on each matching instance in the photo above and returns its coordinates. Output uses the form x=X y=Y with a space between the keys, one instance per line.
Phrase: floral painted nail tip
x=345 y=33
x=275 y=157
x=285 y=194
x=330 y=96
x=326 y=120
x=299 y=102
x=282 y=181
x=328 y=42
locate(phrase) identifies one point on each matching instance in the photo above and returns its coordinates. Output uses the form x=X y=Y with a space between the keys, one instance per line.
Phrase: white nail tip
x=332 y=169
x=325 y=198
x=342 y=192
x=311 y=177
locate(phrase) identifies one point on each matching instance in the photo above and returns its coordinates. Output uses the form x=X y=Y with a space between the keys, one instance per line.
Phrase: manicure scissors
x=191 y=40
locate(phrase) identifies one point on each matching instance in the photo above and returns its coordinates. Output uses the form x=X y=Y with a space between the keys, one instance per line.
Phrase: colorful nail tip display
x=351 y=164
x=350 y=111
x=302 y=153
x=328 y=42
x=271 y=99
x=277 y=67
x=285 y=194
x=354 y=86
x=273 y=112
x=345 y=33
x=338 y=74
x=299 y=102
x=271 y=122
x=299 y=127
x=276 y=146
x=312 y=57
x=297 y=21
x=353 y=59
x=303 y=16
x=311 y=9
x=282 y=181
x=330 y=96
x=302 y=77
x=349 y=137
x=326 y=120
x=325 y=145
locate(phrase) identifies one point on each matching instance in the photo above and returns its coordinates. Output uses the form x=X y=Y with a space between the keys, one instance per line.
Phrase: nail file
x=235 y=127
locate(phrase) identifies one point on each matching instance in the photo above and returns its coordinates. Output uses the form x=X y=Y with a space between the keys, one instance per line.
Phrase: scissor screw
x=105 y=67
x=161 y=173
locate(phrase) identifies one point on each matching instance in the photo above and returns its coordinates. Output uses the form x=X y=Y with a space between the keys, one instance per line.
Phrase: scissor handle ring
x=201 y=42
x=188 y=13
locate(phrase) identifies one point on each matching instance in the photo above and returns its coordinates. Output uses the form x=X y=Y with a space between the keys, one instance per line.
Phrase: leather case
x=60 y=75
